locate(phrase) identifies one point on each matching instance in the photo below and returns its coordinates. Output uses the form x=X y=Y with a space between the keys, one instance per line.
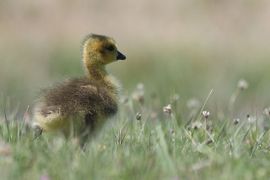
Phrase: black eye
x=110 y=48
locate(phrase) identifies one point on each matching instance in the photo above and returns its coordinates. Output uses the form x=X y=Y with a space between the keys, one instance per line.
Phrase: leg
x=37 y=131
x=90 y=120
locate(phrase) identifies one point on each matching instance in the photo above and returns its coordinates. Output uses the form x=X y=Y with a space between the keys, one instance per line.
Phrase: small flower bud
x=167 y=109
x=209 y=141
x=206 y=114
x=138 y=116
x=236 y=121
x=251 y=119
x=242 y=84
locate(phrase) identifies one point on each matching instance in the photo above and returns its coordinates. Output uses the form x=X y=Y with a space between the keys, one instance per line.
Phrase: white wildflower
x=206 y=114
x=242 y=84
x=167 y=109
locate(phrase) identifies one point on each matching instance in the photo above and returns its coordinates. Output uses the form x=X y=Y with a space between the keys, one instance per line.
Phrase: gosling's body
x=75 y=105
x=79 y=106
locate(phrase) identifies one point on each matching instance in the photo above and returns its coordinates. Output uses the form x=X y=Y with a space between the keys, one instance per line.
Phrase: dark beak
x=120 y=56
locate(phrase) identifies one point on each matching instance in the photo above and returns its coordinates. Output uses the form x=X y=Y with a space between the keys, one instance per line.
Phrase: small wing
x=48 y=118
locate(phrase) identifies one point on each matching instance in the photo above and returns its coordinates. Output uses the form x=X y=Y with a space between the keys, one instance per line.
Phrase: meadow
x=163 y=129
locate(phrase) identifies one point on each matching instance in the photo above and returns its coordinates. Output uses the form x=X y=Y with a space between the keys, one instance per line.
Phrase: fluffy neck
x=99 y=74
x=96 y=72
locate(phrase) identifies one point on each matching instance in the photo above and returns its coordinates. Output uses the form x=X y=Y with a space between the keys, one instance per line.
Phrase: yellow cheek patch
x=95 y=46
x=99 y=54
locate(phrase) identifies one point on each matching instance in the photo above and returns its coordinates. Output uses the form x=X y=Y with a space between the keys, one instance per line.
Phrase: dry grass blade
x=204 y=103
x=6 y=119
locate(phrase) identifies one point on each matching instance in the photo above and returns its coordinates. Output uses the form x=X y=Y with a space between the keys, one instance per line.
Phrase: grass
x=148 y=139
x=157 y=145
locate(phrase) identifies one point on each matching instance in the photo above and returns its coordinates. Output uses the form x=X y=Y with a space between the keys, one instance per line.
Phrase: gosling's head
x=100 y=50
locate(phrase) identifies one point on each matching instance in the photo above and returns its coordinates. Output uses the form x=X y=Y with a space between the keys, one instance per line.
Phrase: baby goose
x=81 y=105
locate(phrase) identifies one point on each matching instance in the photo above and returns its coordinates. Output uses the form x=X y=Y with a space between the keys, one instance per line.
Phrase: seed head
x=209 y=141
x=168 y=109
x=206 y=114
x=242 y=84
x=138 y=116
x=236 y=121
x=251 y=119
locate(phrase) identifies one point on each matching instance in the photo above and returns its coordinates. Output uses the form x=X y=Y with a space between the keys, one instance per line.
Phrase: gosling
x=80 y=106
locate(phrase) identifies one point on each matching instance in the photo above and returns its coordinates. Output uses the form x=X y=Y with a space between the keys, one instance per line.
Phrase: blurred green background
x=186 y=47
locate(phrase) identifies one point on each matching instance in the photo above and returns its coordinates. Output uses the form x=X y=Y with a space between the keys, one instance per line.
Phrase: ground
x=178 y=119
